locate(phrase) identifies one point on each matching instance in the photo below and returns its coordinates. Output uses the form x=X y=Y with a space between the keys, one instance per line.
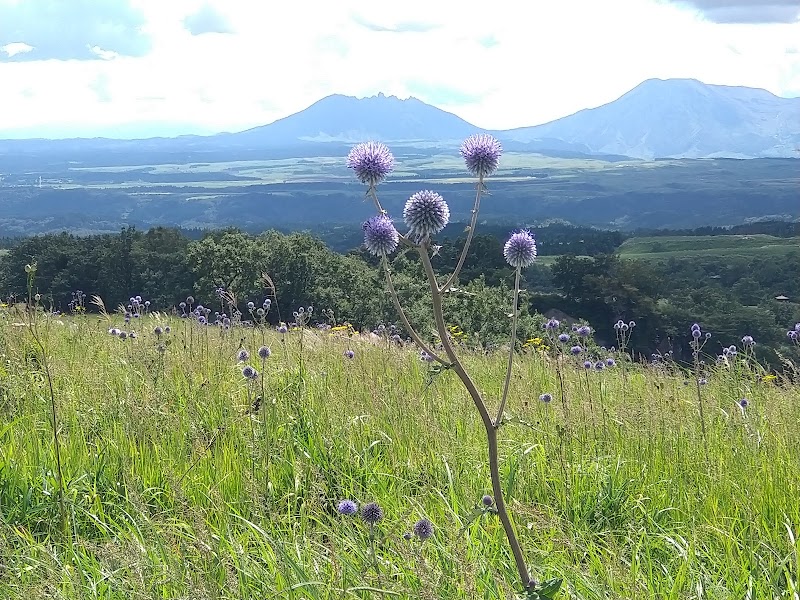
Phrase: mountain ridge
x=659 y=118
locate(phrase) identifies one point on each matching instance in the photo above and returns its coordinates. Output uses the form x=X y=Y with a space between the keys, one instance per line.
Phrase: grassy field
x=711 y=245
x=176 y=489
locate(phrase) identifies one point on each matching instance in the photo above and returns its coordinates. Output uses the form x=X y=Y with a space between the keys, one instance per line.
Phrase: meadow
x=184 y=479
x=708 y=246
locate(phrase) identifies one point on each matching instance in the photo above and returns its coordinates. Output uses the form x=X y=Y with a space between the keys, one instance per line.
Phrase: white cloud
x=15 y=48
x=519 y=64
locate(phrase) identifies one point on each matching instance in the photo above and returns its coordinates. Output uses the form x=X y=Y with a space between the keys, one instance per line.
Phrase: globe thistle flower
x=167 y=329
x=487 y=500
x=347 y=507
x=599 y=365
x=575 y=350
x=242 y=355
x=380 y=236
x=481 y=153
x=552 y=324
x=249 y=372
x=546 y=398
x=744 y=402
x=584 y=331
x=189 y=299
x=748 y=341
x=520 y=249
x=423 y=529
x=425 y=357
x=426 y=213
x=122 y=335
x=132 y=335
x=371 y=513
x=371 y=161
x=202 y=320
x=158 y=330
x=697 y=334
x=264 y=352
x=349 y=354
x=282 y=328
x=563 y=338
x=251 y=305
x=587 y=364
x=610 y=362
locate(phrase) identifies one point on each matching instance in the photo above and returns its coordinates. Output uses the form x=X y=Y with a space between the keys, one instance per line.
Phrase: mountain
x=681 y=118
x=340 y=118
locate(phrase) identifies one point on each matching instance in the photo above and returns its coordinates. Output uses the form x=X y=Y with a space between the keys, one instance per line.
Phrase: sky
x=136 y=68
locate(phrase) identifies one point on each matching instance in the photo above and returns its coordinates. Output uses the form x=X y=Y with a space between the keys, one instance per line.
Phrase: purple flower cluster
x=426 y=213
x=481 y=154
x=520 y=250
x=371 y=161
x=380 y=236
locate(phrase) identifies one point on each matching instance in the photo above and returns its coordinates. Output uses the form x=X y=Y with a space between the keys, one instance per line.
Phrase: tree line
x=731 y=297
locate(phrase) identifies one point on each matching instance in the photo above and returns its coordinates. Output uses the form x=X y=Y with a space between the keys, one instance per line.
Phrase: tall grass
x=175 y=491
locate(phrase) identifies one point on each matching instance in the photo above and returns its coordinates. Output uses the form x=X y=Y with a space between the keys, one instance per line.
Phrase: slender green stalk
x=488 y=424
x=512 y=348
x=406 y=323
x=473 y=222
x=33 y=328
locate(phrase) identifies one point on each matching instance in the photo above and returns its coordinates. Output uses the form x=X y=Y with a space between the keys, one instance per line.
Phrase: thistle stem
x=473 y=221
x=398 y=307
x=491 y=430
x=374 y=197
x=515 y=318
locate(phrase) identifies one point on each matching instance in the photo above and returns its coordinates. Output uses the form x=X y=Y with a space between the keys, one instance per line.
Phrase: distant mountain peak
x=682 y=118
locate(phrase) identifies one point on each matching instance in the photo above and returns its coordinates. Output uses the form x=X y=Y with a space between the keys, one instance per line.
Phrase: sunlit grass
x=174 y=491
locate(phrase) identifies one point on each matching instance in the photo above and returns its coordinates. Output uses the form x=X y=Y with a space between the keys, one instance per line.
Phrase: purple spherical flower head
x=347 y=507
x=696 y=334
x=610 y=362
x=167 y=329
x=546 y=398
x=520 y=249
x=264 y=352
x=349 y=354
x=371 y=161
x=793 y=335
x=563 y=338
x=696 y=327
x=249 y=372
x=481 y=153
x=282 y=328
x=487 y=500
x=242 y=355
x=584 y=331
x=587 y=364
x=425 y=357
x=423 y=529
x=426 y=213
x=189 y=299
x=575 y=350
x=600 y=365
x=251 y=305
x=123 y=335
x=380 y=236
x=371 y=513
x=744 y=402
x=748 y=340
